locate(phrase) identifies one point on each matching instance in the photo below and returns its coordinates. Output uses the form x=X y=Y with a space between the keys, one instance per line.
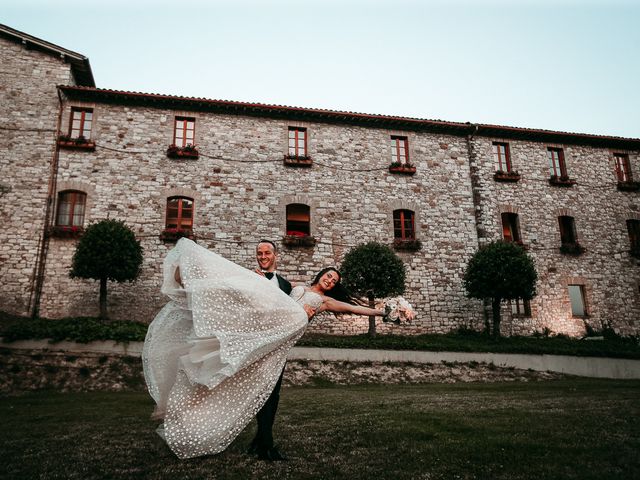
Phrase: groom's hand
x=259 y=272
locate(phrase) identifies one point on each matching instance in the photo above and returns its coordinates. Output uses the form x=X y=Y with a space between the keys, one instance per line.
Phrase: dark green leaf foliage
x=373 y=270
x=108 y=249
x=82 y=329
x=501 y=270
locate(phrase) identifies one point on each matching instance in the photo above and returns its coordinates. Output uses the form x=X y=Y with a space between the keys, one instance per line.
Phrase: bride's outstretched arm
x=336 y=306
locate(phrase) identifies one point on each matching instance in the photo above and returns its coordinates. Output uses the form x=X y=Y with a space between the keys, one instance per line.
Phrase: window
x=578 y=305
x=623 y=167
x=179 y=213
x=184 y=132
x=557 y=167
x=520 y=308
x=567 y=230
x=633 y=227
x=510 y=227
x=399 y=150
x=71 y=205
x=297 y=142
x=502 y=157
x=404 y=225
x=81 y=120
x=298 y=220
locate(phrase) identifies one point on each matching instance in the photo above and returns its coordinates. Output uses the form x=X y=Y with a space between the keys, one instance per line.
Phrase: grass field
x=568 y=429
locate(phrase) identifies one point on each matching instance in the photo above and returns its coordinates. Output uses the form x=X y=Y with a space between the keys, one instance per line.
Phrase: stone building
x=317 y=182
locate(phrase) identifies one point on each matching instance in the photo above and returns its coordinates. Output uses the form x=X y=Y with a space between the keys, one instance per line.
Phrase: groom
x=262 y=444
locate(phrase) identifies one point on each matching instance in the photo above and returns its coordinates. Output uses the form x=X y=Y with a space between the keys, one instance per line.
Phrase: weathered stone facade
x=240 y=187
x=609 y=274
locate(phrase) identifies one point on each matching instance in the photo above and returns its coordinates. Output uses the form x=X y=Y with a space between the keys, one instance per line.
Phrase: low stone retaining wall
x=110 y=366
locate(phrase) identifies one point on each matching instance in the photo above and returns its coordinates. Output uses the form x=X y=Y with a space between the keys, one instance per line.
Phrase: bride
x=213 y=354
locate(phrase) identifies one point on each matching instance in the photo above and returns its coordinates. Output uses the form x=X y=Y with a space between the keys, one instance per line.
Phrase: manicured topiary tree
x=108 y=250
x=500 y=271
x=373 y=270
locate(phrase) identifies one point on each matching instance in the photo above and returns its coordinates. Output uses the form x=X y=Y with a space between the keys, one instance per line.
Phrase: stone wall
x=608 y=272
x=29 y=109
x=241 y=188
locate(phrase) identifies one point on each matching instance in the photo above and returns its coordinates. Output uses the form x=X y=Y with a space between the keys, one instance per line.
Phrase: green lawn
x=569 y=429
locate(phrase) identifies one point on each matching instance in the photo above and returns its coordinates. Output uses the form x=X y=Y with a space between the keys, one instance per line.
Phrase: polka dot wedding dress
x=213 y=354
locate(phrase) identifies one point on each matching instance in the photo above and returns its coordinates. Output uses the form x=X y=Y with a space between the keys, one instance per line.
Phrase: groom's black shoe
x=271 y=455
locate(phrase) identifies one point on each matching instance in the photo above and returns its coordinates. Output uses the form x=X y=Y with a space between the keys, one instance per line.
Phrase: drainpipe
x=43 y=243
x=477 y=205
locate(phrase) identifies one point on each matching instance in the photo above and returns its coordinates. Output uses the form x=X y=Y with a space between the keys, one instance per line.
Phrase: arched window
x=510 y=227
x=180 y=213
x=404 y=225
x=71 y=206
x=568 y=234
x=298 y=220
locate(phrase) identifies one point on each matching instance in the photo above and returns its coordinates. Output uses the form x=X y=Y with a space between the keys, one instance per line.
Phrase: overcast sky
x=560 y=65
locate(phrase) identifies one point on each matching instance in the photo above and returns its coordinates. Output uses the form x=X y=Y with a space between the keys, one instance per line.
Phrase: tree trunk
x=103 y=299
x=372 y=319
x=495 y=305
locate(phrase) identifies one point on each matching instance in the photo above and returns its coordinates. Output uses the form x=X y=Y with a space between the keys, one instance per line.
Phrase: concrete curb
x=597 y=367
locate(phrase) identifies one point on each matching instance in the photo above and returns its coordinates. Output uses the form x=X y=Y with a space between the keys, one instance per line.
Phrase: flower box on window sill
x=407 y=245
x=298 y=161
x=80 y=143
x=298 y=241
x=175 y=234
x=66 y=231
x=572 y=248
x=561 y=181
x=502 y=176
x=628 y=186
x=188 y=151
x=403 y=168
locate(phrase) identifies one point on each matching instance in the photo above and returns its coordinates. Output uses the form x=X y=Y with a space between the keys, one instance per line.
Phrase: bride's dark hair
x=338 y=292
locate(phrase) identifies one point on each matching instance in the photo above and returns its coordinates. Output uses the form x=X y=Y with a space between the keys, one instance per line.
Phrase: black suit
x=267 y=414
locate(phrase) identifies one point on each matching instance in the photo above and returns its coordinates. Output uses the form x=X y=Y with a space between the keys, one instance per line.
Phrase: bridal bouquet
x=398 y=311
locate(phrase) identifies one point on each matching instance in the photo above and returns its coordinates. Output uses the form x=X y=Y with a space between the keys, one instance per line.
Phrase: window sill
x=561 y=181
x=407 y=245
x=293 y=161
x=64 y=231
x=628 y=186
x=77 y=144
x=572 y=249
x=173 y=235
x=402 y=169
x=298 y=241
x=501 y=176
x=182 y=152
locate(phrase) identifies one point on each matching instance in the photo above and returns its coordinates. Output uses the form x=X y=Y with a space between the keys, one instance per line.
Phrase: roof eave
x=79 y=63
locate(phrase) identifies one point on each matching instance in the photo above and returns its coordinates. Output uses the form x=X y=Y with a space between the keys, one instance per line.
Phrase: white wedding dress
x=213 y=354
